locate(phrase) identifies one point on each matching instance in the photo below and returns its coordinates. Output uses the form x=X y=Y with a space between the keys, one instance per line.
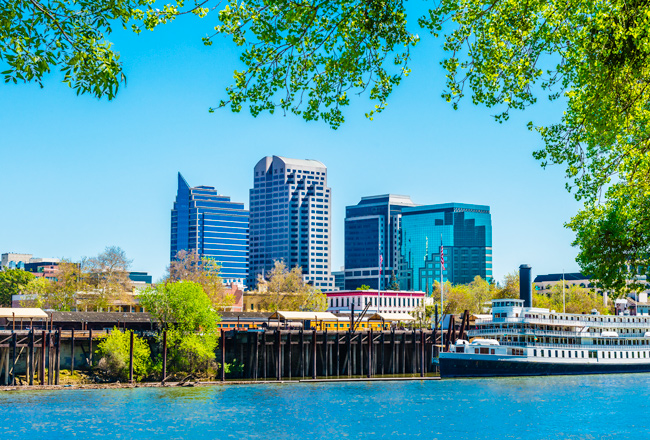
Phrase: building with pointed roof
x=212 y=225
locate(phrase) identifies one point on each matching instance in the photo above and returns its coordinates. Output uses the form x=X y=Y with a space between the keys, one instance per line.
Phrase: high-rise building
x=290 y=206
x=466 y=235
x=372 y=228
x=213 y=226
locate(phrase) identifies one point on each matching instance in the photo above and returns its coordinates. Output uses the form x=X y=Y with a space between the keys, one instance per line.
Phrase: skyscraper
x=290 y=206
x=213 y=226
x=466 y=233
x=372 y=228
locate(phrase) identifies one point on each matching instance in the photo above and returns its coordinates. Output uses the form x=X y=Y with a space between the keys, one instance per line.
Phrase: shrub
x=114 y=353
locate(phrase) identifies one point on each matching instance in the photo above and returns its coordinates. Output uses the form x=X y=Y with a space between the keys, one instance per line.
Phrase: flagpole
x=379 y=281
x=442 y=286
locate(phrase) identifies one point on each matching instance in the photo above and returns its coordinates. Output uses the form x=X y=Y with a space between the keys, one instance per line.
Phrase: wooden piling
x=422 y=353
x=131 y=358
x=325 y=356
x=164 y=355
x=392 y=351
x=313 y=354
x=256 y=356
x=6 y=365
x=57 y=354
x=289 y=353
x=370 y=353
x=90 y=351
x=14 y=338
x=50 y=370
x=382 y=350
x=31 y=357
x=348 y=354
x=338 y=353
x=403 y=351
x=278 y=341
x=42 y=363
x=414 y=355
x=264 y=354
x=71 y=351
x=302 y=353
x=223 y=355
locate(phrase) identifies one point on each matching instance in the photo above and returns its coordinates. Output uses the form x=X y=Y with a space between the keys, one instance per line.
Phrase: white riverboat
x=524 y=341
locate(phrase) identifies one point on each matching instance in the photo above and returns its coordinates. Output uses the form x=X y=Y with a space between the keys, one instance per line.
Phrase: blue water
x=589 y=407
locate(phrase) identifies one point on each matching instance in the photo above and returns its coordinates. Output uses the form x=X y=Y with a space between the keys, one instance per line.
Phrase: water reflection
x=578 y=407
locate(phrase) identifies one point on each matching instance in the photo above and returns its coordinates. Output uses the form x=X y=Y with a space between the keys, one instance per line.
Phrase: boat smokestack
x=525 y=291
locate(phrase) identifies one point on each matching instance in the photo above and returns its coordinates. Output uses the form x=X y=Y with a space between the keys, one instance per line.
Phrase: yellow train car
x=343 y=324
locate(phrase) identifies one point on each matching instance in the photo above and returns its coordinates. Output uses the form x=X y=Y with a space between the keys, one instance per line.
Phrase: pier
x=299 y=354
x=278 y=354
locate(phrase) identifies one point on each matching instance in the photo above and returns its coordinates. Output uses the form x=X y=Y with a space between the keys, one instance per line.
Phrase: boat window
x=562 y=353
x=534 y=352
x=610 y=354
x=568 y=352
x=542 y=353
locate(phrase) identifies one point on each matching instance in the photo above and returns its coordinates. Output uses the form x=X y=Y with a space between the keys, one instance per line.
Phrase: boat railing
x=645 y=322
x=576 y=346
x=537 y=332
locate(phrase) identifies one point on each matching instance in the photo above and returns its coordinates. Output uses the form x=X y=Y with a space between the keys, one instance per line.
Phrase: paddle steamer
x=519 y=340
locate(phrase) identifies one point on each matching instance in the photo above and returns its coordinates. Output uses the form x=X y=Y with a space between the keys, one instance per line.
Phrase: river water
x=587 y=407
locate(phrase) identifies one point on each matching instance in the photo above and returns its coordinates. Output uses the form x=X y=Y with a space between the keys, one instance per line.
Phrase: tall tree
x=108 y=280
x=12 y=282
x=64 y=293
x=394 y=284
x=187 y=313
x=286 y=290
x=510 y=288
x=190 y=266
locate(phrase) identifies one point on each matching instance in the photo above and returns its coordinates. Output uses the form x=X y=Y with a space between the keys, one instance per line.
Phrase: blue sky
x=79 y=174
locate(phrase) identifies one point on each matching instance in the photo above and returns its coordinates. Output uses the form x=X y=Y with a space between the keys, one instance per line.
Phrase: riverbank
x=118 y=385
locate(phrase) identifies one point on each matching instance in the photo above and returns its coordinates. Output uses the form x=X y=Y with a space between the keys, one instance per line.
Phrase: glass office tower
x=372 y=228
x=291 y=214
x=213 y=226
x=466 y=234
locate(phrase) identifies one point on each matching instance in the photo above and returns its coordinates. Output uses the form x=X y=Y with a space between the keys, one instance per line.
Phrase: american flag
x=381 y=262
x=442 y=258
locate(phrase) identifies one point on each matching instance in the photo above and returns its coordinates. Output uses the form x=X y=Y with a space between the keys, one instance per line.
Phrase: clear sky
x=78 y=174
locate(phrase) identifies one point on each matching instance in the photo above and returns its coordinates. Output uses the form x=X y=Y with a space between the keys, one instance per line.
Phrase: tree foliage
x=38 y=36
x=190 y=266
x=13 y=282
x=107 y=277
x=114 y=350
x=577 y=300
x=593 y=58
x=186 y=312
x=394 y=284
x=95 y=283
x=309 y=57
x=510 y=287
x=286 y=290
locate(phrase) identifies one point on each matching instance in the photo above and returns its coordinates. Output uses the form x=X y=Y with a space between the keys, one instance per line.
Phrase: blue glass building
x=466 y=234
x=213 y=226
x=372 y=227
